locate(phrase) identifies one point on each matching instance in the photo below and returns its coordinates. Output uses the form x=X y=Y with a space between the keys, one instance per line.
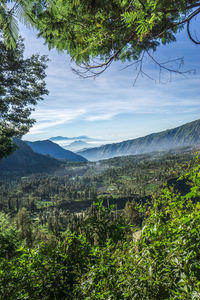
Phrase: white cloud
x=50 y=118
x=106 y=116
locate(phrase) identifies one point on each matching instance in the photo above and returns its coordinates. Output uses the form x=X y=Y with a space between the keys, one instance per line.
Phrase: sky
x=111 y=108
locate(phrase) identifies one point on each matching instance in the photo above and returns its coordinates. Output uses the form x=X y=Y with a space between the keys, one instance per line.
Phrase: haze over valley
x=186 y=135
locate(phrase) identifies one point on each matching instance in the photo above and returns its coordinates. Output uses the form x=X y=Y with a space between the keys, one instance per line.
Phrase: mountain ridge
x=24 y=161
x=62 y=138
x=47 y=147
x=184 y=135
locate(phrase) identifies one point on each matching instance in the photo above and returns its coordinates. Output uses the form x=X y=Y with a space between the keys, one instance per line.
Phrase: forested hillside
x=185 y=135
x=25 y=162
x=76 y=186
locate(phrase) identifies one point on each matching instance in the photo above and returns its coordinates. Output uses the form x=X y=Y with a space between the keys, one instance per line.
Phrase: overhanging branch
x=195 y=13
x=86 y=70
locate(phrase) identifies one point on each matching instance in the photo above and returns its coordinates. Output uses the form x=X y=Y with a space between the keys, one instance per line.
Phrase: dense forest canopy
x=76 y=186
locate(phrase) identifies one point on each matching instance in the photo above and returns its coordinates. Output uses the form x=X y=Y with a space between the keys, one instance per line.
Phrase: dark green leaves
x=105 y=31
x=22 y=86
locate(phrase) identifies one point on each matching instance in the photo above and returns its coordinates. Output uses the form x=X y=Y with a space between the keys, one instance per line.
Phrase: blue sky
x=110 y=107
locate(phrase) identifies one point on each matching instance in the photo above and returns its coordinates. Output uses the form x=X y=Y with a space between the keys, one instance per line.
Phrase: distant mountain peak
x=78 y=142
x=74 y=138
x=62 y=138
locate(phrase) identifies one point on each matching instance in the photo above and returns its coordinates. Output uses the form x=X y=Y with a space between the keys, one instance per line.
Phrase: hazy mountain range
x=185 y=135
x=78 y=145
x=25 y=160
x=76 y=138
x=49 y=148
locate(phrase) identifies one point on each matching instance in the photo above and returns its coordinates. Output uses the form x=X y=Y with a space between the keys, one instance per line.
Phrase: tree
x=22 y=86
x=9 y=236
x=24 y=224
x=97 y=32
x=6 y=144
x=10 y=11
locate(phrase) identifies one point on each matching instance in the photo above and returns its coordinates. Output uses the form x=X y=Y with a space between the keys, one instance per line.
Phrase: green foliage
x=8 y=25
x=108 y=30
x=46 y=272
x=101 y=224
x=160 y=261
x=164 y=263
x=10 y=13
x=103 y=278
x=9 y=237
x=116 y=180
x=22 y=86
x=6 y=145
x=132 y=213
x=24 y=224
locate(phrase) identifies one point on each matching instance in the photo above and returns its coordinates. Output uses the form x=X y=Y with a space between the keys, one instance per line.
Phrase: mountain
x=76 y=138
x=25 y=162
x=62 y=138
x=49 y=148
x=58 y=138
x=185 y=135
x=78 y=145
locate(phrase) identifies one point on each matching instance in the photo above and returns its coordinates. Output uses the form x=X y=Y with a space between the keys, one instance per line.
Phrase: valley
x=78 y=185
x=42 y=174
x=66 y=215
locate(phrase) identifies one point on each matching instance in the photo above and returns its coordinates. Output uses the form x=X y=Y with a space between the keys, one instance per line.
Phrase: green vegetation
x=61 y=237
x=96 y=33
x=118 y=179
x=106 y=31
x=26 y=162
x=10 y=13
x=9 y=236
x=148 y=251
x=22 y=86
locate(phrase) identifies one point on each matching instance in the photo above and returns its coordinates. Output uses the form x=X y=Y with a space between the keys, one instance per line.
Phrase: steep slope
x=49 y=148
x=25 y=162
x=185 y=135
